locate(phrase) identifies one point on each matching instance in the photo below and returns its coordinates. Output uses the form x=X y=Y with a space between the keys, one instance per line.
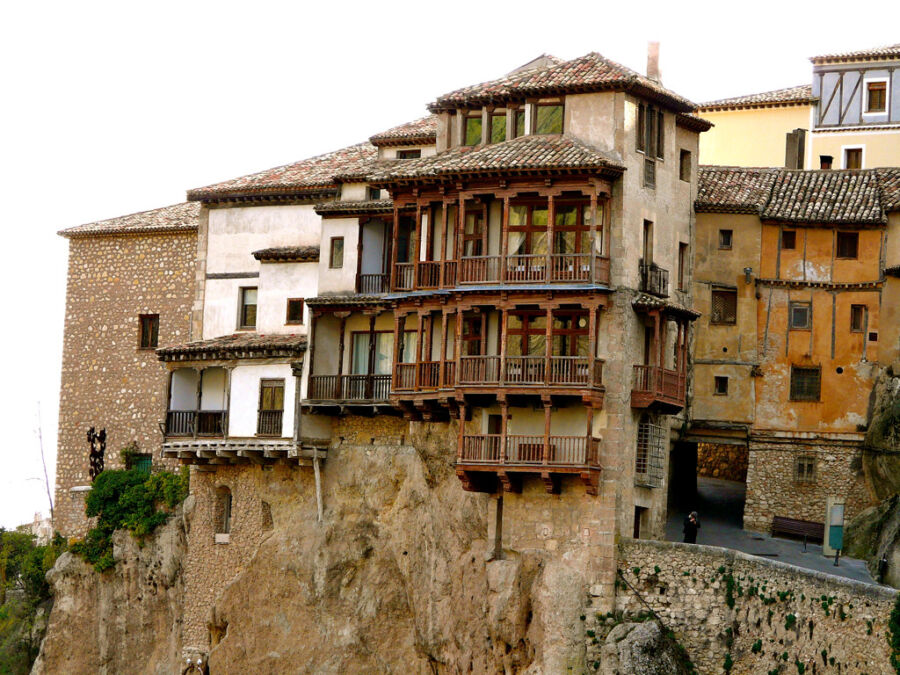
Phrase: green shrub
x=129 y=500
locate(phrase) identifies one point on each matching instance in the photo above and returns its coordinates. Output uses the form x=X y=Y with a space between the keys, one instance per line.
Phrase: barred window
x=725 y=238
x=649 y=458
x=800 y=315
x=857 y=318
x=806 y=383
x=724 y=307
x=649 y=173
x=847 y=244
x=805 y=470
x=223 y=510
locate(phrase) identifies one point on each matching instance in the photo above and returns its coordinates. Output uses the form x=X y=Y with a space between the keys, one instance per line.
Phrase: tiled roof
x=239 y=345
x=175 y=218
x=732 y=189
x=309 y=175
x=825 y=197
x=790 y=96
x=288 y=254
x=355 y=208
x=885 y=52
x=645 y=302
x=525 y=154
x=420 y=131
x=345 y=300
x=837 y=197
x=693 y=122
x=591 y=72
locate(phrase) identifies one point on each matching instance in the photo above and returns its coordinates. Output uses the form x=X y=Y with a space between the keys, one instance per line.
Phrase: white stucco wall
x=245 y=379
x=220 y=305
x=343 y=279
x=277 y=283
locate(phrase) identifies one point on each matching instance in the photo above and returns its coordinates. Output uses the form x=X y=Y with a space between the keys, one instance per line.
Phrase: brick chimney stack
x=653 y=61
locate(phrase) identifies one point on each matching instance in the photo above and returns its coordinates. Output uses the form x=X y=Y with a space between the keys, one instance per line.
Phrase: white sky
x=112 y=108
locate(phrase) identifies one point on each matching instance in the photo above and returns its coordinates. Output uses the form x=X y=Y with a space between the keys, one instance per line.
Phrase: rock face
x=881 y=461
x=640 y=649
x=127 y=620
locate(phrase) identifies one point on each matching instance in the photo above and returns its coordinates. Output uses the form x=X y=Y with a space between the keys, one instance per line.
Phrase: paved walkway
x=720 y=505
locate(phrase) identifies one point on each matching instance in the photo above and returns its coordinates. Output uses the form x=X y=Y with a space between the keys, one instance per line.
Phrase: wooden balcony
x=509 y=457
x=530 y=371
x=193 y=423
x=423 y=376
x=269 y=422
x=425 y=275
x=658 y=388
x=348 y=388
x=655 y=280
x=372 y=284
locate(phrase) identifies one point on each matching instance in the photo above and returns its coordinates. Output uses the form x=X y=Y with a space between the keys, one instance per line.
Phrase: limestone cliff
x=126 y=620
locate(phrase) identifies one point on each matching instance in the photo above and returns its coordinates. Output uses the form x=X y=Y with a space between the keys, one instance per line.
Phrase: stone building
x=847 y=117
x=129 y=290
x=793 y=278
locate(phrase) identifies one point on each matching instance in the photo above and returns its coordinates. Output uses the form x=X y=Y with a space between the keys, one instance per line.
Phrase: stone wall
x=768 y=616
x=772 y=489
x=107 y=381
x=728 y=462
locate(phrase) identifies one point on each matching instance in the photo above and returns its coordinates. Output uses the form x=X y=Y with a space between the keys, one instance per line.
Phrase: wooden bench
x=800 y=528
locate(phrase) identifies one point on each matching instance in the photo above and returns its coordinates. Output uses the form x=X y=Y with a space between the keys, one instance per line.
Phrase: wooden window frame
x=726 y=241
x=517 y=114
x=863 y=322
x=493 y=117
x=845 y=155
x=572 y=333
x=798 y=304
x=683 y=250
x=372 y=337
x=527 y=317
x=409 y=154
x=287 y=315
x=720 y=385
x=873 y=84
x=529 y=228
x=795 y=372
x=471 y=115
x=732 y=293
x=224 y=506
x=241 y=305
x=153 y=341
x=549 y=104
x=809 y=472
x=331 y=245
x=853 y=236
x=792 y=234
x=685 y=159
x=579 y=228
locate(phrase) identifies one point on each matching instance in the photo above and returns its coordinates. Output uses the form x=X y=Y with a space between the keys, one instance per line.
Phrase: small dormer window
x=520 y=122
x=373 y=193
x=409 y=154
x=498 y=126
x=548 y=119
x=472 y=130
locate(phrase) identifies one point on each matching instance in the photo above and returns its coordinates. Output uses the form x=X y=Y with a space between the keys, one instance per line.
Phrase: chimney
x=653 y=61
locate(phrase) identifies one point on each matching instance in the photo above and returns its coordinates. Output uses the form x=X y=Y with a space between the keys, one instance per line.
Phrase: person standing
x=691 y=525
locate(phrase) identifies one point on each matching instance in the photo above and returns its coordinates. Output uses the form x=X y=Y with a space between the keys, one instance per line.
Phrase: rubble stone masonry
x=107 y=381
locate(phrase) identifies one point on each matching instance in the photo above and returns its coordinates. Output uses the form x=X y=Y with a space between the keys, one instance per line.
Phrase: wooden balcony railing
x=348 y=387
x=449 y=373
x=655 y=280
x=196 y=422
x=479 y=370
x=524 y=370
x=269 y=422
x=530 y=451
x=653 y=384
x=575 y=371
x=405 y=276
x=372 y=284
x=429 y=275
x=404 y=377
x=480 y=269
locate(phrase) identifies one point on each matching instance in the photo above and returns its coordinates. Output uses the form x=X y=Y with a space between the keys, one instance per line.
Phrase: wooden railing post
x=592 y=342
x=546 y=453
x=503 y=317
x=548 y=348
x=504 y=430
x=504 y=241
x=592 y=239
x=551 y=216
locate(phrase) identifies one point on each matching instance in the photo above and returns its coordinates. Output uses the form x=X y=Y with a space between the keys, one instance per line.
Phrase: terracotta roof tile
x=732 y=189
x=420 y=131
x=644 y=301
x=342 y=300
x=591 y=72
x=309 y=175
x=239 y=345
x=355 y=208
x=884 y=52
x=525 y=154
x=825 y=197
x=838 y=197
x=288 y=254
x=175 y=218
x=791 y=95
x=693 y=122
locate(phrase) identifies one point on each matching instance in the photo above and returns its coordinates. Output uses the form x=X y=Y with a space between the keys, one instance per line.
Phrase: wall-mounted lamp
x=747 y=272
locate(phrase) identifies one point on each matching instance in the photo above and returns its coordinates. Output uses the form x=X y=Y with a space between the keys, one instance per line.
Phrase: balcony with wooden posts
x=655 y=280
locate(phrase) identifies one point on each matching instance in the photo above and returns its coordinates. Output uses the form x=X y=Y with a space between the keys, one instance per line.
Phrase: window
x=720 y=386
x=684 y=166
x=660 y=134
x=724 y=307
x=858 y=318
x=498 y=127
x=649 y=455
x=725 y=238
x=373 y=193
x=641 y=132
x=472 y=131
x=847 y=244
x=548 y=119
x=650 y=131
x=853 y=158
x=336 y=256
x=148 y=331
x=876 y=96
x=223 y=510
x=294 y=311
x=825 y=162
x=247 y=317
x=409 y=154
x=649 y=173
x=520 y=123
x=788 y=240
x=805 y=470
x=271 y=407
x=682 y=264
x=805 y=383
x=800 y=315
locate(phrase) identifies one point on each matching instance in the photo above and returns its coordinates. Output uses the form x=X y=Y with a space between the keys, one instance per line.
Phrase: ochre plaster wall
x=753 y=137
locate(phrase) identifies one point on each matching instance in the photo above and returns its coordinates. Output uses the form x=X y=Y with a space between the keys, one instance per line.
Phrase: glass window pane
x=518 y=215
x=249 y=296
x=516 y=243
x=473 y=131
x=549 y=119
x=538 y=243
x=384 y=353
x=564 y=242
x=537 y=322
x=409 y=347
x=539 y=216
x=520 y=123
x=566 y=216
x=537 y=345
x=360 y=365
x=498 y=128
x=514 y=345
